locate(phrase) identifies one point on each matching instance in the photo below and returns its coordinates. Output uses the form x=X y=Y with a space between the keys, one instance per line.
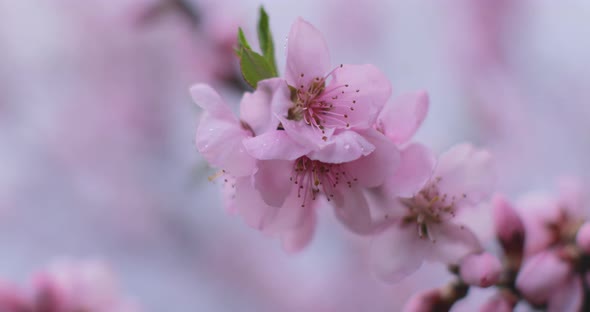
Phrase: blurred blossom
x=67 y=287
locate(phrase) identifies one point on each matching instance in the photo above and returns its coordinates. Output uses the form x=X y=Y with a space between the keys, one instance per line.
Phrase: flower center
x=320 y=106
x=313 y=177
x=429 y=207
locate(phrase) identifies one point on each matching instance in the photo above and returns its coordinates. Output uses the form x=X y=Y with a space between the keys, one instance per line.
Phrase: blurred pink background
x=96 y=135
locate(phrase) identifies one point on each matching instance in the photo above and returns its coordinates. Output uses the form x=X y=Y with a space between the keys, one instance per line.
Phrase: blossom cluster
x=332 y=137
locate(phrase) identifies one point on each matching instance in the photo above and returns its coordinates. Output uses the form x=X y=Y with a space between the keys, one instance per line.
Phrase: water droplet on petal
x=346 y=146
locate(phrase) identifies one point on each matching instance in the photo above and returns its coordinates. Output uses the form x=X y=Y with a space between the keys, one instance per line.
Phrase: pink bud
x=509 y=227
x=503 y=302
x=583 y=237
x=427 y=301
x=481 y=270
x=11 y=298
x=541 y=275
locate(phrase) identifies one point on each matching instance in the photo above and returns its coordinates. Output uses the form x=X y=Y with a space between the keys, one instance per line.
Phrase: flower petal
x=249 y=205
x=275 y=144
x=413 y=172
x=451 y=242
x=568 y=297
x=352 y=209
x=211 y=102
x=304 y=134
x=466 y=173
x=255 y=108
x=372 y=170
x=272 y=181
x=343 y=147
x=296 y=239
x=307 y=54
x=358 y=92
x=397 y=252
x=401 y=117
x=220 y=143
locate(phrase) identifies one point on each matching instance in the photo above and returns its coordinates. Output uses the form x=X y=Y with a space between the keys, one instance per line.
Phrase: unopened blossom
x=548 y=278
x=501 y=302
x=509 y=229
x=482 y=270
x=423 y=225
x=583 y=237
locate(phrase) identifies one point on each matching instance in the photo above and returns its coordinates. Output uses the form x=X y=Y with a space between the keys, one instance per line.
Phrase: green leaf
x=242 y=40
x=265 y=39
x=254 y=66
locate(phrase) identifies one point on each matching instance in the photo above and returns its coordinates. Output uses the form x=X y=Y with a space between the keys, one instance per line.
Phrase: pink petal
x=274 y=144
x=208 y=99
x=304 y=134
x=397 y=252
x=541 y=276
x=343 y=147
x=291 y=216
x=352 y=209
x=220 y=143
x=307 y=54
x=272 y=181
x=466 y=173
x=372 y=170
x=415 y=169
x=573 y=196
x=568 y=297
x=296 y=239
x=255 y=108
x=358 y=91
x=401 y=117
x=250 y=206
x=451 y=242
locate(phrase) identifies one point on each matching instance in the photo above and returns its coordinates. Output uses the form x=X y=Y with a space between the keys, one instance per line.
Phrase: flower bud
x=583 y=237
x=509 y=227
x=541 y=275
x=502 y=302
x=431 y=300
x=482 y=270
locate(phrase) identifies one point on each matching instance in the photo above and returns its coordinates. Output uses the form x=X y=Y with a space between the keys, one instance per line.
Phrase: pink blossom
x=325 y=110
x=293 y=186
x=481 y=270
x=551 y=218
x=422 y=220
